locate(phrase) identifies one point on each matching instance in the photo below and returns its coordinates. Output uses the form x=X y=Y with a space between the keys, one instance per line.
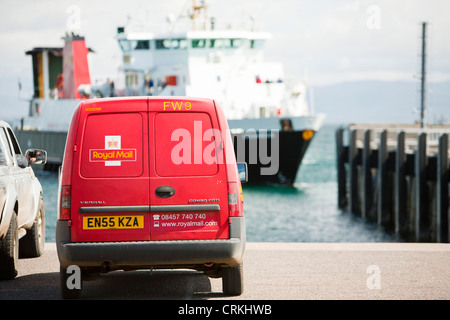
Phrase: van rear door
x=188 y=185
x=110 y=189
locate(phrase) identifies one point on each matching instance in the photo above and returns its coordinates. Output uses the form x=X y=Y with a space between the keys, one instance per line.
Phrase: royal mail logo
x=100 y=155
x=113 y=154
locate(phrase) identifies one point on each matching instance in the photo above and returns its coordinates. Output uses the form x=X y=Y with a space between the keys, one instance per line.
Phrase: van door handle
x=165 y=191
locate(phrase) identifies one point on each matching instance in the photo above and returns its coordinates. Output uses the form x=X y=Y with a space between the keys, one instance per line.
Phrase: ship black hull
x=267 y=162
x=292 y=146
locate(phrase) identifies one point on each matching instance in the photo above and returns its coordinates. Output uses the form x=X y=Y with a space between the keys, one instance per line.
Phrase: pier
x=396 y=176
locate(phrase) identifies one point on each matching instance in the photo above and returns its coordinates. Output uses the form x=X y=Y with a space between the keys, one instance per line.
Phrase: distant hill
x=361 y=101
x=381 y=101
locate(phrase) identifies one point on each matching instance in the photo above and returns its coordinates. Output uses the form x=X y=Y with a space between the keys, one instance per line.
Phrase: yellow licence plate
x=113 y=222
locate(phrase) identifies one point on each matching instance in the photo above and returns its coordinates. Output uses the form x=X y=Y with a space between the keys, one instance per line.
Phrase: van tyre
x=9 y=251
x=32 y=244
x=233 y=280
x=66 y=292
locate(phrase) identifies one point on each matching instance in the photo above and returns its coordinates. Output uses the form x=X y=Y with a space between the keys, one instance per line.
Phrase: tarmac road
x=272 y=271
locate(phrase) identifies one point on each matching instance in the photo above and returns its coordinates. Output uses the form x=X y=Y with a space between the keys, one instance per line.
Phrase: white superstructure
x=200 y=59
x=194 y=57
x=212 y=62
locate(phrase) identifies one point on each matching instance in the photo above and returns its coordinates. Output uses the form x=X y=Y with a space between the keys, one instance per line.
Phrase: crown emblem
x=112 y=144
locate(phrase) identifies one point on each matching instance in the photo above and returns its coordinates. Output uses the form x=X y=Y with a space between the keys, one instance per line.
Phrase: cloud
x=331 y=40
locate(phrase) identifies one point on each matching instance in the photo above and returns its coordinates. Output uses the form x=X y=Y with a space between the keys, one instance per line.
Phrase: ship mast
x=197 y=12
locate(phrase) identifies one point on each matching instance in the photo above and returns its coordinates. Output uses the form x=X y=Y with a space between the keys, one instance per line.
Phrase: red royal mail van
x=150 y=183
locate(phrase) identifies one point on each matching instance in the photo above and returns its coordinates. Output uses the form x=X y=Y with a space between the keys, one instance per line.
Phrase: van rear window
x=185 y=144
x=112 y=146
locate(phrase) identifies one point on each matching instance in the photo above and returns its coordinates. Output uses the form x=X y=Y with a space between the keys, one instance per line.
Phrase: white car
x=22 y=214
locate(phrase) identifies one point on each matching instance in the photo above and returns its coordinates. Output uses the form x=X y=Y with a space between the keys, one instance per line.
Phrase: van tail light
x=233 y=200
x=65 y=203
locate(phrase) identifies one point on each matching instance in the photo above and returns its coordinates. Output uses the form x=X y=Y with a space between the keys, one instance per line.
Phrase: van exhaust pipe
x=106 y=267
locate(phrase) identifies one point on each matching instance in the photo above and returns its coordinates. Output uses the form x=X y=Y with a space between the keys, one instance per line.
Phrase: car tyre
x=9 y=251
x=32 y=244
x=233 y=280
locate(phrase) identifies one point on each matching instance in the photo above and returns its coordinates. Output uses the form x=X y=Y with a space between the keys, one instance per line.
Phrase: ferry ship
x=269 y=118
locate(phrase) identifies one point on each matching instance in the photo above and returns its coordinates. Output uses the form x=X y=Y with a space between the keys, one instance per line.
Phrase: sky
x=323 y=41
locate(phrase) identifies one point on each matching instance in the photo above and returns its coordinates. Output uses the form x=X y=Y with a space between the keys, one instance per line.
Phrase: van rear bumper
x=151 y=253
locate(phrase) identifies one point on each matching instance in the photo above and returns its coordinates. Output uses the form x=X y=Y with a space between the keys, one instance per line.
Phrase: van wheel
x=66 y=285
x=32 y=244
x=233 y=280
x=9 y=251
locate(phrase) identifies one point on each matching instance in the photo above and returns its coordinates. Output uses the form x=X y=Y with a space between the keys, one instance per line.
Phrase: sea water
x=305 y=212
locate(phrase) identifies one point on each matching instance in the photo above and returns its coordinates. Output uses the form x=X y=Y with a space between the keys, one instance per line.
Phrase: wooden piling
x=367 y=193
x=400 y=219
x=409 y=192
x=382 y=179
x=341 y=174
x=442 y=219
x=421 y=214
x=353 y=174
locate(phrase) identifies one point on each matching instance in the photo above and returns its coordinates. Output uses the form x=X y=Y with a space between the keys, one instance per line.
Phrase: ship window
x=217 y=43
x=179 y=44
x=224 y=43
x=237 y=43
x=162 y=44
x=142 y=45
x=171 y=44
x=220 y=43
x=125 y=45
x=128 y=45
x=131 y=79
x=256 y=44
x=198 y=43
